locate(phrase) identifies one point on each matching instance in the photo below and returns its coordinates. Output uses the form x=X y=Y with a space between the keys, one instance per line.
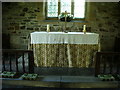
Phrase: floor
x=57 y=78
x=61 y=82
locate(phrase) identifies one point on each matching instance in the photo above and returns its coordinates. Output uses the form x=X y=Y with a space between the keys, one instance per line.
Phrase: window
x=74 y=7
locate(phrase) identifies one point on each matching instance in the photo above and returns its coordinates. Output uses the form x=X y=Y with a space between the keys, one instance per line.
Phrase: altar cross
x=65 y=13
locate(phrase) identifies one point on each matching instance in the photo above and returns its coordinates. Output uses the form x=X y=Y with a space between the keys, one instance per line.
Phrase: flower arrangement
x=68 y=16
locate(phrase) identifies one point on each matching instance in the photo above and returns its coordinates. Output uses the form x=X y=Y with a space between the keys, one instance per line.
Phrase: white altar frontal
x=59 y=49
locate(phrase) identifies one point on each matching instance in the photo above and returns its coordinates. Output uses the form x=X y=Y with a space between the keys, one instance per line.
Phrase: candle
x=48 y=28
x=84 y=29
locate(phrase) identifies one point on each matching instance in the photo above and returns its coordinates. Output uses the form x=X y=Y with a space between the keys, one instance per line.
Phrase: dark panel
x=5 y=41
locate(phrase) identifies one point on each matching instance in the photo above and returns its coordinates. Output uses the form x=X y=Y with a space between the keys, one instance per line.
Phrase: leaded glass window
x=65 y=6
x=52 y=8
x=75 y=7
x=79 y=8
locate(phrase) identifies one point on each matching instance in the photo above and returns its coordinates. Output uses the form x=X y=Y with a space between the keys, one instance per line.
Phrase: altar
x=60 y=49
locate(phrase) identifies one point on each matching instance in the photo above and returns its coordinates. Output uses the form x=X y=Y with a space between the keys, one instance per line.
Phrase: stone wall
x=21 y=18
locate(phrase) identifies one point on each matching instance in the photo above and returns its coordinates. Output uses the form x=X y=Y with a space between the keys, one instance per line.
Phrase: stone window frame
x=56 y=18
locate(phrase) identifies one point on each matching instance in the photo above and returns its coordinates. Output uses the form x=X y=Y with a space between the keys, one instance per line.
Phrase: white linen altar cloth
x=64 y=38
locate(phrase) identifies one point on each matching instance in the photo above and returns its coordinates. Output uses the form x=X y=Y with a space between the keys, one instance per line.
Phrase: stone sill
x=78 y=21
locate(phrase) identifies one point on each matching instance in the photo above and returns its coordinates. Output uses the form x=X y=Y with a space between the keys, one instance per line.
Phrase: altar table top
x=64 y=38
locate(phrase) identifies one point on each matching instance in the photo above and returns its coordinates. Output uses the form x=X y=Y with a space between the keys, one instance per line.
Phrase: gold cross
x=66 y=13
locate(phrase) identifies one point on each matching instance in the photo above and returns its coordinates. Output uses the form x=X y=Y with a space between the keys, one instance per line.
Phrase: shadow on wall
x=5 y=41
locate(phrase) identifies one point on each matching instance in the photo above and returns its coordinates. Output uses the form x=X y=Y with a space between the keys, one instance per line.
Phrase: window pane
x=65 y=6
x=79 y=8
x=52 y=8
